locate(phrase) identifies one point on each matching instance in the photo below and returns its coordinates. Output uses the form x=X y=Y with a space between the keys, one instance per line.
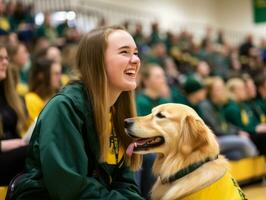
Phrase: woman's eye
x=136 y=53
x=124 y=52
x=160 y=115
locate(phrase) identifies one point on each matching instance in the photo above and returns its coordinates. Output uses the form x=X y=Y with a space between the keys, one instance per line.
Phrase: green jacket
x=258 y=106
x=58 y=166
x=145 y=104
x=241 y=116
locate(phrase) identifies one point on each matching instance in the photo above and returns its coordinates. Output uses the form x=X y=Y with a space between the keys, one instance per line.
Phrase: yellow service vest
x=226 y=188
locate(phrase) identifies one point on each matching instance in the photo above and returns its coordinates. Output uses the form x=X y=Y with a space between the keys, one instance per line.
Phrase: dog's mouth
x=143 y=144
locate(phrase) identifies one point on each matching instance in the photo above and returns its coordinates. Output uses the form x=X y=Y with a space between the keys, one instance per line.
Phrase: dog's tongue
x=130 y=149
x=132 y=145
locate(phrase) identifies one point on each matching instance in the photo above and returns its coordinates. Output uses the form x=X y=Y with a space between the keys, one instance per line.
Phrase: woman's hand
x=243 y=134
x=261 y=128
x=7 y=145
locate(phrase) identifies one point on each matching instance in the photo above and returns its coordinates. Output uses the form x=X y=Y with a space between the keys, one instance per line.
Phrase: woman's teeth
x=130 y=72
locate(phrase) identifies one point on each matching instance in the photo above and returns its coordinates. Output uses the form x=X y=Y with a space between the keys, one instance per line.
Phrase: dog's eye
x=160 y=115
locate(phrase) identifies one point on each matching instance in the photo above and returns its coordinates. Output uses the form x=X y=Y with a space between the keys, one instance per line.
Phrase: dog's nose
x=128 y=123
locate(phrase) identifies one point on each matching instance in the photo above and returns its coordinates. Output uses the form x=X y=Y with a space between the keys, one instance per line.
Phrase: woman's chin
x=129 y=86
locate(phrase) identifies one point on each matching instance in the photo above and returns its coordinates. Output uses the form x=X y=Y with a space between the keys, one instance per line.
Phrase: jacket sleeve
x=63 y=159
x=126 y=185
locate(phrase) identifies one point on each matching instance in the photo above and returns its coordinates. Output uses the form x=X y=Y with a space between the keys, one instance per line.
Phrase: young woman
x=44 y=82
x=77 y=150
x=12 y=123
x=19 y=57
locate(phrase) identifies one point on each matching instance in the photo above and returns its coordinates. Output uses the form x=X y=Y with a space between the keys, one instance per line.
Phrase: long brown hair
x=40 y=78
x=13 y=99
x=92 y=72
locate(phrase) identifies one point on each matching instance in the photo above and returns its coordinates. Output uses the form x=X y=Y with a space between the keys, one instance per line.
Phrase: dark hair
x=40 y=78
x=260 y=79
x=13 y=99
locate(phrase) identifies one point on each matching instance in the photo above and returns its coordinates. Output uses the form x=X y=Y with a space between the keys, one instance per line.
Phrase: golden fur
x=187 y=140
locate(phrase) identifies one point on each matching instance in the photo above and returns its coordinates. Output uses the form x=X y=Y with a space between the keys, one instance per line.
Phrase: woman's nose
x=135 y=59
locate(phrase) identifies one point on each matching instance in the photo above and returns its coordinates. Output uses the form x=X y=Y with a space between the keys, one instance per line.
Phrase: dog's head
x=173 y=128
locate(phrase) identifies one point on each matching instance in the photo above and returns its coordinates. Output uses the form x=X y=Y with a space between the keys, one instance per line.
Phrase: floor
x=255 y=192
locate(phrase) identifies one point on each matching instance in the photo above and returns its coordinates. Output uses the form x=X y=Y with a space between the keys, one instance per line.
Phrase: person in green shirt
x=254 y=100
x=155 y=89
x=238 y=113
x=195 y=93
x=77 y=150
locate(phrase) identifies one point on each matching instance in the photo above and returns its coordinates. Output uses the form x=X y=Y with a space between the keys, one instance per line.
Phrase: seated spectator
x=257 y=105
x=12 y=123
x=195 y=93
x=157 y=54
x=232 y=140
x=4 y=23
x=19 y=61
x=238 y=113
x=44 y=82
x=260 y=82
x=155 y=89
x=47 y=30
x=202 y=71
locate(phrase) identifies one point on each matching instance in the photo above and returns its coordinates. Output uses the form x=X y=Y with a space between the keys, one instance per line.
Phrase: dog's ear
x=193 y=135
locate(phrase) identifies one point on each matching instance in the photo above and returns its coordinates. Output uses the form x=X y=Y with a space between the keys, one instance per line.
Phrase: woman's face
x=251 y=89
x=156 y=79
x=240 y=92
x=56 y=75
x=121 y=61
x=3 y=63
x=218 y=92
x=22 y=56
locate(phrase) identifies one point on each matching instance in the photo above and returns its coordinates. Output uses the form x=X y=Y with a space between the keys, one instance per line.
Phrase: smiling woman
x=12 y=123
x=79 y=139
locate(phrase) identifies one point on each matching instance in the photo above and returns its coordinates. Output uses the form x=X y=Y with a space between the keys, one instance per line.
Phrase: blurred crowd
x=224 y=83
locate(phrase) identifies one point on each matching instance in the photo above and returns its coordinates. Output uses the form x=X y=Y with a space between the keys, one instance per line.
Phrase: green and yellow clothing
x=34 y=104
x=145 y=103
x=47 y=31
x=214 y=116
x=4 y=24
x=60 y=166
x=258 y=106
x=226 y=188
x=241 y=116
x=177 y=95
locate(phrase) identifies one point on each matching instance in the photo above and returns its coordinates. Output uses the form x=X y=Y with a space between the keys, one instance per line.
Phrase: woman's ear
x=193 y=135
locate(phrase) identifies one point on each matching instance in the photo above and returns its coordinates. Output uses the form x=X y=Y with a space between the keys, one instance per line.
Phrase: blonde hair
x=13 y=99
x=209 y=84
x=231 y=85
x=92 y=72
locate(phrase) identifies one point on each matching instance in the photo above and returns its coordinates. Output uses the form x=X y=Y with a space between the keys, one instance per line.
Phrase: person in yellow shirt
x=44 y=82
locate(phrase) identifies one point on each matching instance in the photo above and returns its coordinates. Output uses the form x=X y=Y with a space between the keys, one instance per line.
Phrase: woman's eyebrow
x=126 y=47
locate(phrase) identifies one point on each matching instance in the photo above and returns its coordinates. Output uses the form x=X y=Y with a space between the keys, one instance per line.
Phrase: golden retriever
x=182 y=141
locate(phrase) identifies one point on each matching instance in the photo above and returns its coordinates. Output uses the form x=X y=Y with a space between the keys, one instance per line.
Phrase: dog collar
x=185 y=171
